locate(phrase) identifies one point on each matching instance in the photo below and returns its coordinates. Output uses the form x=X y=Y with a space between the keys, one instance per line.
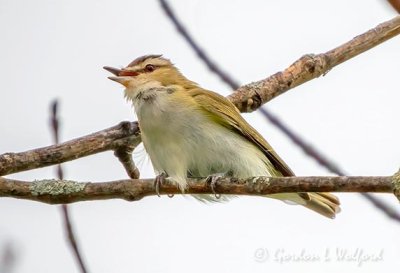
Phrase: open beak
x=119 y=75
x=113 y=70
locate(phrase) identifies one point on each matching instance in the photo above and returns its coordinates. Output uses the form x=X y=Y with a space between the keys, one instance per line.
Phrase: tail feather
x=324 y=203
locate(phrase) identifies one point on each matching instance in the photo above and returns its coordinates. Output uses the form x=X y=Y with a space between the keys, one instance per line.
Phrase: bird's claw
x=212 y=180
x=158 y=181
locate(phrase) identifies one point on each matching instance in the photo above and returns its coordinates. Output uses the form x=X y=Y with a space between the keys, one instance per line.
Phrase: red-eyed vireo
x=191 y=131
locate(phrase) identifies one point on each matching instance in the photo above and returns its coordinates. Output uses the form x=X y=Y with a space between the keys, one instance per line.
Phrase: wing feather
x=229 y=116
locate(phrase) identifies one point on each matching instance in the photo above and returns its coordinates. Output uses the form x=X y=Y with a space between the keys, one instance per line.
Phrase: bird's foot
x=158 y=181
x=170 y=195
x=213 y=180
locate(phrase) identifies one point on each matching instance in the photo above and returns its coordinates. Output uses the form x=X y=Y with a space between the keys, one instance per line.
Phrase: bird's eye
x=150 y=68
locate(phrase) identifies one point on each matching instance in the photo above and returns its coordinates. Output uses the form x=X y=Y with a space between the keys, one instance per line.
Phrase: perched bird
x=191 y=131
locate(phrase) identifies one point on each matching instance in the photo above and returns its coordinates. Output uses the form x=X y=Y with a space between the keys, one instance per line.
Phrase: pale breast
x=185 y=140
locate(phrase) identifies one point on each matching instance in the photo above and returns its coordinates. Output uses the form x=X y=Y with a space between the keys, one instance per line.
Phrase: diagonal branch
x=128 y=134
x=63 y=191
x=251 y=96
x=211 y=65
x=224 y=76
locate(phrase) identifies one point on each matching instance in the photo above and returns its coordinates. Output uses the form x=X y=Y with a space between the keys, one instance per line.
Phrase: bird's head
x=147 y=73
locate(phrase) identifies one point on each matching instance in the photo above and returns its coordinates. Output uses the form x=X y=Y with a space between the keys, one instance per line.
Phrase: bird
x=189 y=131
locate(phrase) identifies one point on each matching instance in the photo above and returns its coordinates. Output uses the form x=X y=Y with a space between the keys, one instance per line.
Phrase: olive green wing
x=229 y=116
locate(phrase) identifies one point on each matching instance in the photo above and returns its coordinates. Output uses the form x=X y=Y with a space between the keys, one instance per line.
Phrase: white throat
x=142 y=93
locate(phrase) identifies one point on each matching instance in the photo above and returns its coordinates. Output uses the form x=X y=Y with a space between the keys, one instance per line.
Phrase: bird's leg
x=213 y=179
x=170 y=195
x=158 y=181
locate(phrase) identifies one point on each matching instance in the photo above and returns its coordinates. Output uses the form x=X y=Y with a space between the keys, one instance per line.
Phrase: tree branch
x=275 y=83
x=251 y=96
x=64 y=191
x=125 y=134
x=224 y=76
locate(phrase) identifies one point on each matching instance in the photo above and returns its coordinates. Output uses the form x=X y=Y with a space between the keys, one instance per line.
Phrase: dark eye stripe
x=137 y=72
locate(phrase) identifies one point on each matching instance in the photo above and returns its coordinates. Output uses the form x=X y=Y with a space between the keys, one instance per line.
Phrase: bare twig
x=124 y=155
x=55 y=130
x=8 y=258
x=392 y=213
x=237 y=96
x=64 y=208
x=72 y=238
x=302 y=70
x=224 y=76
x=122 y=135
x=251 y=96
x=63 y=191
x=109 y=139
x=328 y=164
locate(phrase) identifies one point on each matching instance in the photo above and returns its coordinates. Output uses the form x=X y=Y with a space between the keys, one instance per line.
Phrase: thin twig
x=124 y=134
x=306 y=147
x=124 y=155
x=64 y=208
x=251 y=96
x=328 y=164
x=109 y=139
x=64 y=191
x=8 y=258
x=225 y=77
